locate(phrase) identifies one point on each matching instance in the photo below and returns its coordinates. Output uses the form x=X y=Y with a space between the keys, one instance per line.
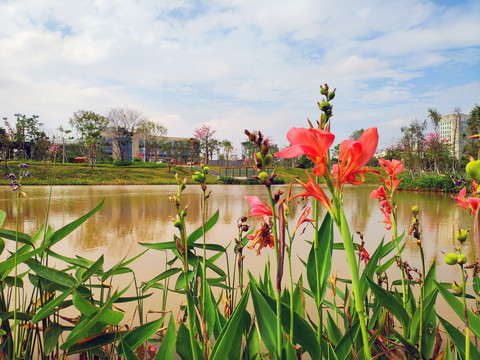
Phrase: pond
x=133 y=214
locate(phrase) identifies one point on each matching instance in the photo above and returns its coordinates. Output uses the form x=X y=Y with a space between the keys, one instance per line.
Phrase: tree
x=413 y=145
x=435 y=118
x=123 y=122
x=90 y=126
x=152 y=134
x=472 y=147
x=205 y=135
x=6 y=144
x=227 y=149
x=356 y=134
x=25 y=131
x=63 y=132
x=436 y=151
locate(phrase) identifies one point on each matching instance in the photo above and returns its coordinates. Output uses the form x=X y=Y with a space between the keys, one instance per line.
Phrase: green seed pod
x=473 y=170
x=457 y=287
x=323 y=90
x=268 y=159
x=324 y=106
x=461 y=259
x=462 y=235
x=198 y=177
x=451 y=259
x=177 y=223
x=206 y=169
x=263 y=176
x=415 y=209
x=331 y=95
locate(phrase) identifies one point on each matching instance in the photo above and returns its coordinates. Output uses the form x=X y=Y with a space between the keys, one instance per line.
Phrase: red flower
x=313 y=189
x=311 y=142
x=386 y=208
x=354 y=155
x=259 y=208
x=392 y=168
x=466 y=203
x=364 y=255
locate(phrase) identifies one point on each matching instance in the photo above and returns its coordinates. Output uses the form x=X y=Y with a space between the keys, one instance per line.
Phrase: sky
x=236 y=65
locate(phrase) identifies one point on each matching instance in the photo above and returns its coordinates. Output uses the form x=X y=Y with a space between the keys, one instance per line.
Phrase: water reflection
x=133 y=214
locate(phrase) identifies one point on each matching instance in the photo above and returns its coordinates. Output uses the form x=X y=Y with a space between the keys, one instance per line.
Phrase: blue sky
x=238 y=65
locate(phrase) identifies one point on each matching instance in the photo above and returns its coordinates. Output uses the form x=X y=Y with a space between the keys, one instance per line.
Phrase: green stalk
x=277 y=292
x=317 y=265
x=467 y=329
x=204 y=269
x=14 y=337
x=402 y=270
x=289 y=253
x=422 y=294
x=352 y=263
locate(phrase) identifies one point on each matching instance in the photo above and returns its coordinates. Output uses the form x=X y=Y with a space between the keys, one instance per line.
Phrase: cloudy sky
x=238 y=65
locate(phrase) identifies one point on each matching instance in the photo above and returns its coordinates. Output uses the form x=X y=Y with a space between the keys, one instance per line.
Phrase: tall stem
x=317 y=265
x=465 y=313
x=278 y=291
x=204 y=269
x=352 y=263
x=14 y=336
x=402 y=269
x=422 y=295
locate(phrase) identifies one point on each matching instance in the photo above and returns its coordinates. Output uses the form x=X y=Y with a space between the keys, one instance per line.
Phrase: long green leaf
x=53 y=275
x=227 y=336
x=126 y=351
x=13 y=235
x=167 y=348
x=197 y=234
x=49 y=308
x=391 y=303
x=457 y=306
x=344 y=347
x=141 y=334
x=50 y=339
x=458 y=339
x=9 y=264
x=67 y=229
x=94 y=342
x=266 y=318
x=162 y=276
x=169 y=245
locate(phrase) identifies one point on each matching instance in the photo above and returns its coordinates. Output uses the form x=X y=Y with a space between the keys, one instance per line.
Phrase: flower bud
x=268 y=159
x=206 y=169
x=461 y=259
x=263 y=176
x=324 y=106
x=462 y=235
x=451 y=259
x=331 y=95
x=177 y=223
x=457 y=287
x=473 y=170
x=415 y=210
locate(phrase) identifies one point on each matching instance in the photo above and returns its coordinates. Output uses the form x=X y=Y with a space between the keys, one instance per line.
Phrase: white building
x=453 y=127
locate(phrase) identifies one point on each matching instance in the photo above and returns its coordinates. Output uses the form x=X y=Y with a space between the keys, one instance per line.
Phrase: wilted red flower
x=353 y=156
x=259 y=208
x=311 y=142
x=364 y=255
x=263 y=237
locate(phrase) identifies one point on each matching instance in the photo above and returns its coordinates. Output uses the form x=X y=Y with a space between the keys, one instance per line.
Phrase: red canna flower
x=392 y=168
x=259 y=208
x=313 y=189
x=354 y=155
x=311 y=142
x=364 y=255
x=466 y=203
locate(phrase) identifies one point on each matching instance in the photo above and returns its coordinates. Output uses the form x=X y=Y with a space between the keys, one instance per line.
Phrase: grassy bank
x=134 y=174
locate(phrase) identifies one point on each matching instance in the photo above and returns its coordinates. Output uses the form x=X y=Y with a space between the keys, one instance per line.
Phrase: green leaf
x=3 y=216
x=9 y=264
x=344 y=347
x=266 y=319
x=49 y=308
x=141 y=334
x=53 y=275
x=458 y=339
x=197 y=234
x=333 y=332
x=428 y=324
x=168 y=344
x=13 y=235
x=94 y=342
x=183 y=346
x=391 y=303
x=169 y=245
x=126 y=351
x=120 y=266
x=324 y=256
x=50 y=339
x=227 y=336
x=67 y=229
x=166 y=274
x=457 y=306
x=383 y=267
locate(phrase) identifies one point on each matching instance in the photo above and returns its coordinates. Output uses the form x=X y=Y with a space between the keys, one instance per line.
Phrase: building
x=453 y=128
x=130 y=147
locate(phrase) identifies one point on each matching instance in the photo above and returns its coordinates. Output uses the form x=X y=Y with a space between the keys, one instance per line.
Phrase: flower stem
x=467 y=329
x=317 y=265
x=14 y=337
x=352 y=263
x=422 y=295
x=278 y=291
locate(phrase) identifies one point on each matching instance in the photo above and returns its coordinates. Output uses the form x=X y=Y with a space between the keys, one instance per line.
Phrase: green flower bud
x=177 y=223
x=462 y=235
x=415 y=210
x=451 y=259
x=461 y=259
x=473 y=170
x=331 y=95
x=206 y=169
x=323 y=90
x=457 y=287
x=263 y=176
x=268 y=159
x=324 y=106
x=198 y=177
